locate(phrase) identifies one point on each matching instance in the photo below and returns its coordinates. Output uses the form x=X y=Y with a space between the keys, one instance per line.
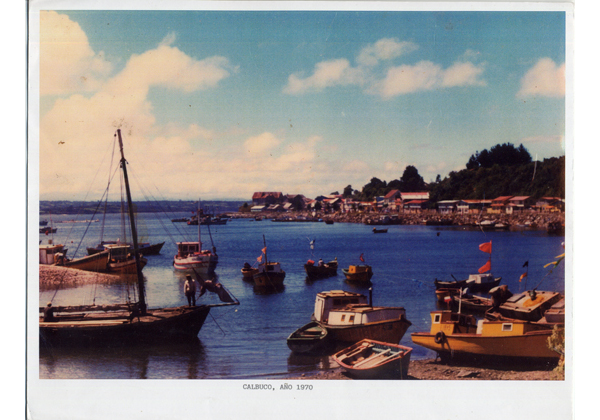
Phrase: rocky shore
x=431 y=369
x=522 y=220
x=52 y=277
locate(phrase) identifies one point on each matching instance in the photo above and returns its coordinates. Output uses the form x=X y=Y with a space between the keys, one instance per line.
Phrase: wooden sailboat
x=118 y=324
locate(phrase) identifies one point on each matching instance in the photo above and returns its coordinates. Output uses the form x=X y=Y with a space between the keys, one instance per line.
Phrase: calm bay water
x=249 y=340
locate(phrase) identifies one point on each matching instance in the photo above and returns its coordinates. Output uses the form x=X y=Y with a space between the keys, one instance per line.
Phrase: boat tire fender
x=440 y=337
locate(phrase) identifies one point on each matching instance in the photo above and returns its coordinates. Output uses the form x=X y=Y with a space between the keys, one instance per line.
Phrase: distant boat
x=180 y=220
x=329 y=222
x=370 y=359
x=317 y=271
x=311 y=338
x=47 y=230
x=358 y=273
x=248 y=272
x=43 y=222
x=375 y=230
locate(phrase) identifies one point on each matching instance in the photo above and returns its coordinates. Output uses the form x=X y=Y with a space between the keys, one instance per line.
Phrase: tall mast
x=198 y=213
x=142 y=297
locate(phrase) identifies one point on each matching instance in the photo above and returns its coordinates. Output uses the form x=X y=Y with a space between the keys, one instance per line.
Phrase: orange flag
x=486 y=247
x=522 y=277
x=259 y=259
x=264 y=250
x=486 y=267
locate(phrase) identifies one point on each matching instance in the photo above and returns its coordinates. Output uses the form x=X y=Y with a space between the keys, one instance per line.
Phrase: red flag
x=522 y=277
x=447 y=299
x=264 y=250
x=486 y=267
x=259 y=259
x=361 y=258
x=486 y=247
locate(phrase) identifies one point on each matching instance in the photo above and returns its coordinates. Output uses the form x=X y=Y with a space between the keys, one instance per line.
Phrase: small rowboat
x=310 y=338
x=472 y=303
x=370 y=359
x=358 y=273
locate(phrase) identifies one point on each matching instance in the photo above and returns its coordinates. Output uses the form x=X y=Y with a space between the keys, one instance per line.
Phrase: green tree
x=411 y=180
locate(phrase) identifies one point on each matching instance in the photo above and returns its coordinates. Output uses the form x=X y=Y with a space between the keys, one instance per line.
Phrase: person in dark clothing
x=49 y=313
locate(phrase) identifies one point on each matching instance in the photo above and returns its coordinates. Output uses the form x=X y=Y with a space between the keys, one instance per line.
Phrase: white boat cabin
x=119 y=252
x=363 y=314
x=335 y=299
x=187 y=248
x=48 y=252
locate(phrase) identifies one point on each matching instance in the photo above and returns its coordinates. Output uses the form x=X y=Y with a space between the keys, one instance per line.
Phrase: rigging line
x=143 y=191
x=89 y=189
x=107 y=189
x=213 y=318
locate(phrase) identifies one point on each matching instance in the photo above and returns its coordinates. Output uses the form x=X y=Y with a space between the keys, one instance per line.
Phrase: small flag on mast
x=486 y=247
x=486 y=267
x=362 y=258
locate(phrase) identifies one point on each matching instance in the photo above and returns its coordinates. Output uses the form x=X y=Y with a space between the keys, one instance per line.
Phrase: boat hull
x=144 y=249
x=126 y=267
x=203 y=264
x=273 y=279
x=109 y=329
x=325 y=271
x=96 y=263
x=531 y=345
x=359 y=274
x=390 y=331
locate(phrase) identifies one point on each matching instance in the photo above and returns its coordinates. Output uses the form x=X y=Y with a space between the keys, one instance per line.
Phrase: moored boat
x=482 y=282
x=51 y=252
x=530 y=305
x=191 y=257
x=320 y=271
x=358 y=273
x=248 y=272
x=270 y=274
x=371 y=359
x=310 y=338
x=349 y=318
x=47 y=230
x=472 y=303
x=462 y=336
x=375 y=230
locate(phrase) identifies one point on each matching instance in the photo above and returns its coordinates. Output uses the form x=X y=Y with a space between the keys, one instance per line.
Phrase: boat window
x=351 y=319
x=437 y=318
x=343 y=317
x=507 y=327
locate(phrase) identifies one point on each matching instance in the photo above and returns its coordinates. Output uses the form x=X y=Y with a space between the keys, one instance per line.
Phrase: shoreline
x=430 y=369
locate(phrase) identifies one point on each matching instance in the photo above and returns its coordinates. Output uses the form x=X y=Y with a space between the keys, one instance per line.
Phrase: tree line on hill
x=504 y=170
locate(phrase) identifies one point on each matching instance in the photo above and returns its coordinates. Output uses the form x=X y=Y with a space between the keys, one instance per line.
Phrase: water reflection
x=261 y=290
x=186 y=359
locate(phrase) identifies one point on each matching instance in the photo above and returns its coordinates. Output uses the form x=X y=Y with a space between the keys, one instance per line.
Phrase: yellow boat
x=459 y=335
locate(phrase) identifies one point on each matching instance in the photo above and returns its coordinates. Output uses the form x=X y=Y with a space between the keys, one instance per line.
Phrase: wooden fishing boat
x=145 y=247
x=325 y=270
x=556 y=313
x=123 y=324
x=50 y=252
x=358 y=273
x=180 y=220
x=270 y=274
x=121 y=260
x=248 y=272
x=349 y=318
x=371 y=359
x=530 y=305
x=43 y=222
x=311 y=338
x=191 y=257
x=455 y=335
x=456 y=284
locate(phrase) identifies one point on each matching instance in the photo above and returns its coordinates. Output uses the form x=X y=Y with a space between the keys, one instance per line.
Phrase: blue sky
x=220 y=104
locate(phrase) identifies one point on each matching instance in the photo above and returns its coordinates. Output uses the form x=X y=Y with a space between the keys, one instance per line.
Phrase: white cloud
x=76 y=133
x=426 y=75
x=326 y=74
x=384 y=49
x=67 y=62
x=545 y=78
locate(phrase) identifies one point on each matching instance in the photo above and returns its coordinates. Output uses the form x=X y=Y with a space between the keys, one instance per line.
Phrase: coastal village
x=411 y=208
